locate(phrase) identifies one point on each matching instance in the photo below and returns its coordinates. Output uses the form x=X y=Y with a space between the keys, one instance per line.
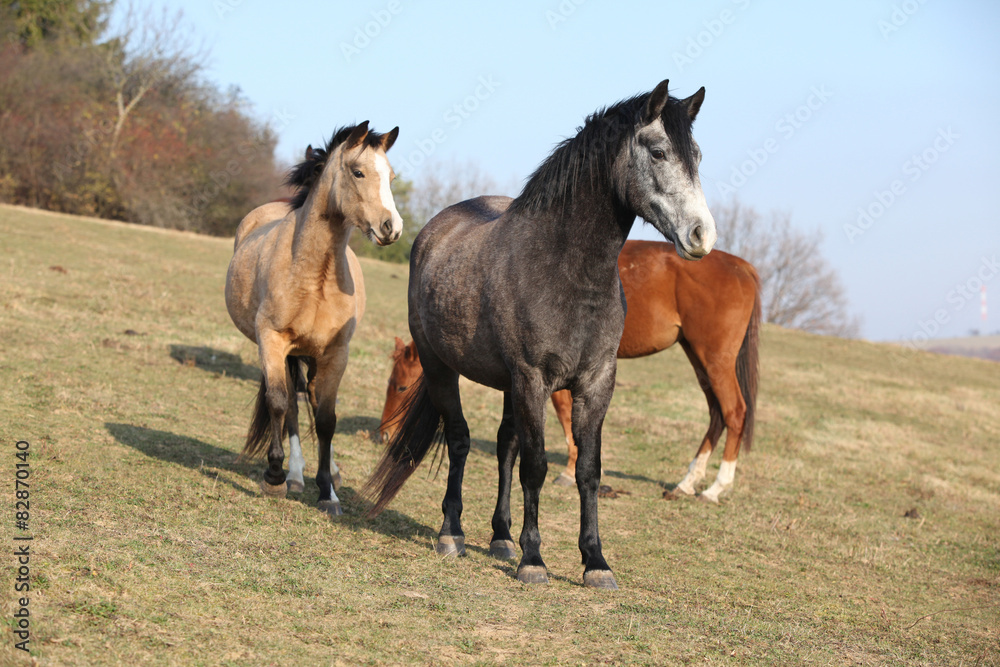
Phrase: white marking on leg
x=696 y=473
x=727 y=472
x=385 y=194
x=296 y=463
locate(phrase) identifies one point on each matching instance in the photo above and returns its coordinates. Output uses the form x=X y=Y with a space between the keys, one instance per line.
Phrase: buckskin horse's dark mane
x=305 y=174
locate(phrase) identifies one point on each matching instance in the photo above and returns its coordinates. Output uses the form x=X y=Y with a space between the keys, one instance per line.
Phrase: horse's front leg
x=323 y=390
x=590 y=404
x=562 y=401
x=528 y=403
x=502 y=544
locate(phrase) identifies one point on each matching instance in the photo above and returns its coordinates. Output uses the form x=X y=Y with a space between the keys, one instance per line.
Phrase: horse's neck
x=587 y=235
x=319 y=246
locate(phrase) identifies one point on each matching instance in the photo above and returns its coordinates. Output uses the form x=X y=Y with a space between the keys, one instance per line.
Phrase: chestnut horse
x=296 y=289
x=711 y=307
x=498 y=289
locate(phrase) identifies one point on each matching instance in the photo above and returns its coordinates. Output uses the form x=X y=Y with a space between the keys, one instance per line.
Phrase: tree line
x=121 y=125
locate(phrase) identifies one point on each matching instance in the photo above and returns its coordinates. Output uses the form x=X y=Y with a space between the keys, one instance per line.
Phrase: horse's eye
x=658 y=154
x=401 y=389
x=358 y=174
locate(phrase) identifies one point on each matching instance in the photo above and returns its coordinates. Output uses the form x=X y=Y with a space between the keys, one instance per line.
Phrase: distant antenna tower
x=983 y=302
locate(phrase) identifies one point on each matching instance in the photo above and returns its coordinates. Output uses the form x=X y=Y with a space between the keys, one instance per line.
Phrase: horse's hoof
x=681 y=490
x=330 y=507
x=532 y=574
x=709 y=498
x=600 y=579
x=273 y=490
x=336 y=481
x=295 y=486
x=565 y=480
x=450 y=545
x=502 y=549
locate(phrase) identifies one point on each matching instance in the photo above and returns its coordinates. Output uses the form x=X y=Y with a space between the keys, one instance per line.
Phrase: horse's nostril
x=387 y=227
x=696 y=237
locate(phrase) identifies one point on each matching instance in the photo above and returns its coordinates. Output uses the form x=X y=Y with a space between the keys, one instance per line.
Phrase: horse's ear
x=399 y=345
x=694 y=102
x=389 y=139
x=357 y=135
x=309 y=152
x=657 y=100
x=410 y=353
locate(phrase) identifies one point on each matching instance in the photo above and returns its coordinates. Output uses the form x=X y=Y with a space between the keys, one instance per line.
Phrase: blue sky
x=825 y=111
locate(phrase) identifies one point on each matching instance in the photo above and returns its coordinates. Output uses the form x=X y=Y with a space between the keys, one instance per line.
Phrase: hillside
x=864 y=527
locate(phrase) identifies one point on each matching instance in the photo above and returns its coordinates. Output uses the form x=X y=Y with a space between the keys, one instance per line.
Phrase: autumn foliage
x=122 y=128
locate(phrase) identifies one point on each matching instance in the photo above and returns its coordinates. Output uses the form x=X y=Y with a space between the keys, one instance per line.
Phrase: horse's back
x=261 y=215
x=669 y=296
x=449 y=272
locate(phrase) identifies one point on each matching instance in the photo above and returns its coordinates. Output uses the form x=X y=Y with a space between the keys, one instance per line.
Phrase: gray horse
x=525 y=298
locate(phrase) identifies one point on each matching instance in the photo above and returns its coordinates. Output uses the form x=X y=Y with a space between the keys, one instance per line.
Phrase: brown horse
x=711 y=307
x=296 y=289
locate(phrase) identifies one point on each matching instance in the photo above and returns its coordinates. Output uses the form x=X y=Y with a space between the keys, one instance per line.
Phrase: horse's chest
x=318 y=325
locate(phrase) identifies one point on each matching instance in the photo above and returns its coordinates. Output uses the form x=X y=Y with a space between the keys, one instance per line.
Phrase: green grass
x=153 y=545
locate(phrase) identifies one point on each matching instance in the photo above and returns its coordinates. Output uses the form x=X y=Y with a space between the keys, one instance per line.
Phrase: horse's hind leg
x=325 y=384
x=502 y=544
x=733 y=407
x=726 y=410
x=562 y=401
x=442 y=383
x=273 y=355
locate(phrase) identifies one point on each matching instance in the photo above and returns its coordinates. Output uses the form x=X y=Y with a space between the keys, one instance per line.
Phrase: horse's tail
x=259 y=435
x=747 y=366
x=419 y=430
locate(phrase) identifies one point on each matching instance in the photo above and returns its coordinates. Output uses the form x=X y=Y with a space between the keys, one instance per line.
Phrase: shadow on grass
x=353 y=424
x=179 y=449
x=214 y=361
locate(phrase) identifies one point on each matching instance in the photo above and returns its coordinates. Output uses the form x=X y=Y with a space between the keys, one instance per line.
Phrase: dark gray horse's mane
x=591 y=153
x=305 y=174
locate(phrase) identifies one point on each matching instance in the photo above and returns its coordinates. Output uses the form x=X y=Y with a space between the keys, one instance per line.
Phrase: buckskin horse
x=498 y=290
x=711 y=307
x=296 y=289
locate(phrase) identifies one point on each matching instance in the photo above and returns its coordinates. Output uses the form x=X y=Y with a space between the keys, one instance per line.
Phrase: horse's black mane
x=303 y=175
x=591 y=153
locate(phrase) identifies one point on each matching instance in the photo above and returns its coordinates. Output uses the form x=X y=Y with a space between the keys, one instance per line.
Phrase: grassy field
x=152 y=545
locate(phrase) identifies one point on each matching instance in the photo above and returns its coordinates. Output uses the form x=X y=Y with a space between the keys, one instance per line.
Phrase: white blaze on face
x=385 y=194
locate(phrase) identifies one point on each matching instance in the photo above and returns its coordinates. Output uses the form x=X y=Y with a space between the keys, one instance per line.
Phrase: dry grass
x=153 y=546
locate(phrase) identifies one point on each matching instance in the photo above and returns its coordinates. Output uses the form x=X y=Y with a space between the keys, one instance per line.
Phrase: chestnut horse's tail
x=419 y=431
x=747 y=367
x=259 y=435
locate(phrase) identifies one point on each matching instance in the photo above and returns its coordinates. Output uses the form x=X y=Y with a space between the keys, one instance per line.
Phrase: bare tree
x=149 y=48
x=799 y=288
x=439 y=185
